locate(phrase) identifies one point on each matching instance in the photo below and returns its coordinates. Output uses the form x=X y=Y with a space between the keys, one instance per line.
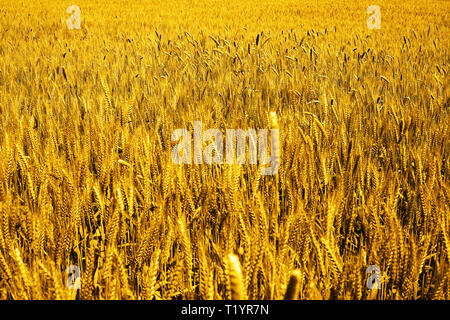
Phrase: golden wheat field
x=93 y=207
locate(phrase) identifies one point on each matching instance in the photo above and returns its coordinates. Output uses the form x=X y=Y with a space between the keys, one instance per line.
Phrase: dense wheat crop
x=87 y=179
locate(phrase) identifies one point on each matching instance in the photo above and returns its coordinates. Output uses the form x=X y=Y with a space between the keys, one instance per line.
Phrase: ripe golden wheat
x=86 y=177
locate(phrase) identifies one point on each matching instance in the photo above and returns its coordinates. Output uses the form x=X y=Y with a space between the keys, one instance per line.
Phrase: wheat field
x=87 y=182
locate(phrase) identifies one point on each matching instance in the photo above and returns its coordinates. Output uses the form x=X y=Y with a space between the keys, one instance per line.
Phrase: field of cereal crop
x=93 y=205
